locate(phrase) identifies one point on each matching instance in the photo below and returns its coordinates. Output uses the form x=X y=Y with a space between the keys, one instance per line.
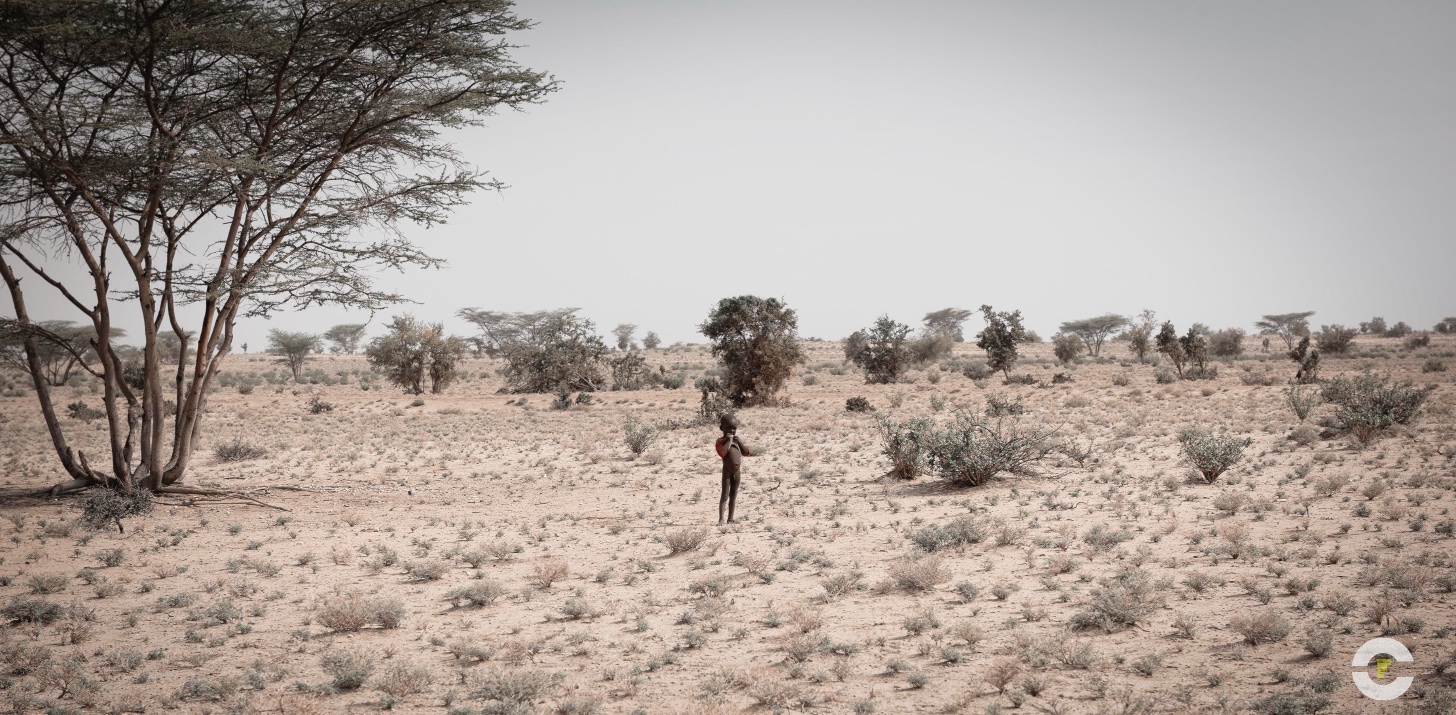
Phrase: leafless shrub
x=548 y=572
x=683 y=540
x=1260 y=627
x=922 y=574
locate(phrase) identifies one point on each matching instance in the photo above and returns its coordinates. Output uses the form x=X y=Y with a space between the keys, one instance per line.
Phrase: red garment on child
x=720 y=447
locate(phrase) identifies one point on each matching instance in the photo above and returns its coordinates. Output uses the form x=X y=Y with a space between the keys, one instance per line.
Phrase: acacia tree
x=224 y=156
x=410 y=350
x=758 y=341
x=1287 y=326
x=61 y=345
x=947 y=322
x=1003 y=332
x=623 y=332
x=544 y=350
x=1094 y=331
x=293 y=349
x=345 y=337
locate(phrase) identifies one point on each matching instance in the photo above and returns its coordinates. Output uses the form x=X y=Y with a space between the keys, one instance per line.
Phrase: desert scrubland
x=480 y=552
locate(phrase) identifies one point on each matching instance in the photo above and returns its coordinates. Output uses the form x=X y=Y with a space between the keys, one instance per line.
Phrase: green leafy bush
x=1368 y=404
x=907 y=444
x=1212 y=454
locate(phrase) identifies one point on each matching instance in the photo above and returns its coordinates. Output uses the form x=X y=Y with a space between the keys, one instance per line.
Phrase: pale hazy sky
x=1212 y=161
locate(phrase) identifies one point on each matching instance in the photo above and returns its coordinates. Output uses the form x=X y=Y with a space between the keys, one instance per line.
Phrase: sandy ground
x=407 y=511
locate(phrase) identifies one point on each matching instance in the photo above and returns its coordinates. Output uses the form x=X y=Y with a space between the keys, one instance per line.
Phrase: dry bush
x=799 y=647
x=348 y=669
x=501 y=551
x=684 y=540
x=773 y=694
x=968 y=632
x=922 y=574
x=1001 y=674
x=514 y=686
x=402 y=679
x=1261 y=627
x=806 y=620
x=352 y=612
x=971 y=450
x=960 y=531
x=840 y=584
x=548 y=572
x=1124 y=600
x=482 y=592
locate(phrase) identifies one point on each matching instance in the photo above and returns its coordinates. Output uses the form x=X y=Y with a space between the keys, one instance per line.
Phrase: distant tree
x=293 y=349
x=410 y=351
x=1067 y=347
x=651 y=341
x=930 y=347
x=1140 y=333
x=1094 y=331
x=947 y=322
x=499 y=329
x=1447 y=325
x=1399 y=330
x=854 y=344
x=345 y=337
x=757 y=340
x=1287 y=326
x=1374 y=326
x=551 y=351
x=1195 y=349
x=1003 y=332
x=1228 y=342
x=1170 y=347
x=173 y=348
x=624 y=333
x=629 y=370
x=1308 y=360
x=1335 y=339
x=886 y=354
x=62 y=347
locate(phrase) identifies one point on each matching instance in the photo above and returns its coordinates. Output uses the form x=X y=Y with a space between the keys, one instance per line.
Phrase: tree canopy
x=1094 y=331
x=947 y=322
x=757 y=340
x=224 y=155
x=1287 y=326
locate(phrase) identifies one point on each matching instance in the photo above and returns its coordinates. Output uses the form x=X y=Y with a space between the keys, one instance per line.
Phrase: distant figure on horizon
x=732 y=450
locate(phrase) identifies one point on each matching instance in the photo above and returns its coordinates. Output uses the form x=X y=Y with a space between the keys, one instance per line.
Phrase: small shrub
x=516 y=686
x=922 y=574
x=32 y=610
x=1433 y=365
x=638 y=436
x=317 y=406
x=349 y=669
x=1164 y=376
x=353 y=612
x=1123 y=601
x=1261 y=627
x=238 y=451
x=998 y=406
x=1212 y=454
x=402 y=679
x=1318 y=642
x=683 y=540
x=906 y=444
x=548 y=572
x=80 y=411
x=103 y=508
x=858 y=404
x=972 y=450
x=482 y=592
x=976 y=370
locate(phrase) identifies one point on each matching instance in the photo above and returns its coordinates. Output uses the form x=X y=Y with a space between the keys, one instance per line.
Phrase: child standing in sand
x=732 y=450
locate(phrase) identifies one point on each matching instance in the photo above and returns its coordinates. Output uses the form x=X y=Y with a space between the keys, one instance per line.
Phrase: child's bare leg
x=723 y=498
x=733 y=495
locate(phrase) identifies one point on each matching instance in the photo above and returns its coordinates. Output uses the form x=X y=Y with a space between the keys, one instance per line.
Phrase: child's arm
x=743 y=448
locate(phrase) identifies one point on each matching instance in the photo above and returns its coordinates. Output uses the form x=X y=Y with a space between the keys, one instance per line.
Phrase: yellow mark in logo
x=1382 y=666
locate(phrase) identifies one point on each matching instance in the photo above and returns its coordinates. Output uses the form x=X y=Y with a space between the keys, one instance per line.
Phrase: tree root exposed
x=79 y=485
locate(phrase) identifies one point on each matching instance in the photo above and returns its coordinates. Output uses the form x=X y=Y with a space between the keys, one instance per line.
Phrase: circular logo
x=1383 y=651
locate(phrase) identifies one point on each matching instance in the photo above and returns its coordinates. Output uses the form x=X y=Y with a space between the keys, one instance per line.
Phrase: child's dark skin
x=733 y=450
